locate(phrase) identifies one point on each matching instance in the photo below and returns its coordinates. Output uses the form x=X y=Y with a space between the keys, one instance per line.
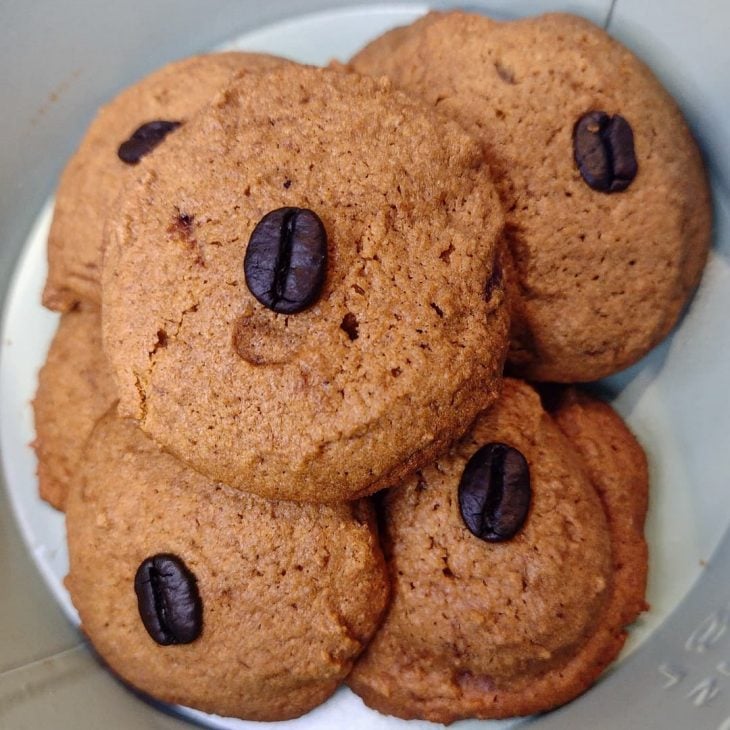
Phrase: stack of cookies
x=284 y=289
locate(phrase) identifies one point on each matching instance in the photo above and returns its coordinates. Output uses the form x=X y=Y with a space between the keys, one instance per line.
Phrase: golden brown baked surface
x=402 y=349
x=94 y=176
x=597 y=279
x=290 y=593
x=618 y=469
x=75 y=389
x=492 y=630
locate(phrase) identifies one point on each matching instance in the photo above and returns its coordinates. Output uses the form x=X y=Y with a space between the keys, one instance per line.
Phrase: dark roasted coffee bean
x=604 y=151
x=286 y=259
x=143 y=140
x=168 y=600
x=495 y=493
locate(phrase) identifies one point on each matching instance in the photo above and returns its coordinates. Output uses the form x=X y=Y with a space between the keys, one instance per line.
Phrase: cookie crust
x=596 y=280
x=404 y=345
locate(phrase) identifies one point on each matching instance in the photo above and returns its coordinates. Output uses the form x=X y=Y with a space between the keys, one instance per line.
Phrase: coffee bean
x=168 y=600
x=286 y=259
x=495 y=493
x=143 y=140
x=604 y=151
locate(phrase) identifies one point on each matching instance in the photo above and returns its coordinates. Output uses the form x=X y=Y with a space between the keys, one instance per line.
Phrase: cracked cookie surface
x=75 y=389
x=597 y=279
x=290 y=593
x=95 y=175
x=492 y=630
x=404 y=345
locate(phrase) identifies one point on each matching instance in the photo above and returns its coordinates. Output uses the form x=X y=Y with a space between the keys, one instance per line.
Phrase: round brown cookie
x=618 y=469
x=599 y=278
x=491 y=630
x=75 y=389
x=289 y=593
x=400 y=350
x=95 y=174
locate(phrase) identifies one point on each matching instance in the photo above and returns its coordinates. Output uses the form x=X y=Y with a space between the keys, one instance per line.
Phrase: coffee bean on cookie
x=494 y=492
x=286 y=259
x=604 y=151
x=400 y=349
x=143 y=140
x=287 y=594
x=168 y=600
x=83 y=202
x=564 y=127
x=516 y=627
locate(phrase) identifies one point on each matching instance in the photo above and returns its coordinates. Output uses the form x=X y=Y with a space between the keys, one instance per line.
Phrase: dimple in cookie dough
x=400 y=335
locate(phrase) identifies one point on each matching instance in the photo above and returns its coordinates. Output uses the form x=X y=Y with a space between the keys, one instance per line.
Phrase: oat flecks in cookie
x=96 y=174
x=397 y=354
x=495 y=630
x=289 y=594
x=596 y=279
x=75 y=389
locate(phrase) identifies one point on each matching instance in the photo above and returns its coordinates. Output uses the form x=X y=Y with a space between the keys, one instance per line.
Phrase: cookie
x=96 y=173
x=300 y=299
x=197 y=594
x=75 y=389
x=493 y=629
x=608 y=204
x=618 y=470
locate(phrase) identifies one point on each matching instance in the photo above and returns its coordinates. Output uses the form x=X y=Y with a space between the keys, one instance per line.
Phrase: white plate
x=681 y=419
